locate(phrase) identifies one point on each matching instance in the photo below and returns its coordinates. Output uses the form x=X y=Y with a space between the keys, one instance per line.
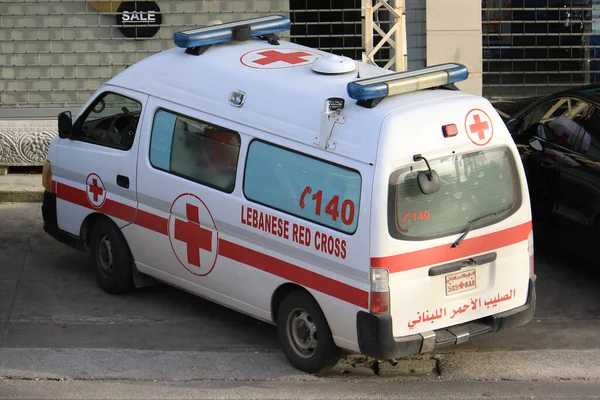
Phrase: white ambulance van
x=357 y=209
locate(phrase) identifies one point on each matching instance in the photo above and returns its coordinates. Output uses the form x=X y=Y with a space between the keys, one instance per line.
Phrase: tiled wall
x=55 y=53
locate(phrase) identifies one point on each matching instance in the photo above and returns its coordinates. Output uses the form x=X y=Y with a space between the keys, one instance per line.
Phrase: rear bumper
x=51 y=223
x=375 y=338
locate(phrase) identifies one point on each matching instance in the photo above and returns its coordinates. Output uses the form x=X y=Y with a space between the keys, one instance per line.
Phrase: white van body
x=350 y=229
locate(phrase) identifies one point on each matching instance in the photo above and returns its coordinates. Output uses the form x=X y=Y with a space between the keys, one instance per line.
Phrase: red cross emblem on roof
x=479 y=127
x=193 y=234
x=278 y=59
x=271 y=56
x=96 y=193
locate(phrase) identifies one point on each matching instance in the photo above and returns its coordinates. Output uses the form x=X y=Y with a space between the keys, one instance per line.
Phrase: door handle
x=123 y=181
x=458 y=265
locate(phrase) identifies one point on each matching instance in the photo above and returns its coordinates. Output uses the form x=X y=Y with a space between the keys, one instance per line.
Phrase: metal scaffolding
x=372 y=13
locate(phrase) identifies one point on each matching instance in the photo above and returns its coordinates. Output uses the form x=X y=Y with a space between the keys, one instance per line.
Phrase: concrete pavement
x=55 y=323
x=325 y=389
x=21 y=188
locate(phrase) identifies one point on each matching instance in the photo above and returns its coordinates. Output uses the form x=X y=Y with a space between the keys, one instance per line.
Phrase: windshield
x=473 y=185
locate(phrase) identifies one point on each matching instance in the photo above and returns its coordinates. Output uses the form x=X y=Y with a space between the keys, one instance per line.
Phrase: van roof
x=282 y=98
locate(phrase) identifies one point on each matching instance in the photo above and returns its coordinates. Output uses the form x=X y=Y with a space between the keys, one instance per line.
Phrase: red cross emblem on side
x=479 y=127
x=193 y=234
x=95 y=190
x=278 y=59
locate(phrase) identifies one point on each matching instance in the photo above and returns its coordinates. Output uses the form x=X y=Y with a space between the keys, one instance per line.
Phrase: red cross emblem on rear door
x=278 y=59
x=96 y=193
x=193 y=234
x=479 y=127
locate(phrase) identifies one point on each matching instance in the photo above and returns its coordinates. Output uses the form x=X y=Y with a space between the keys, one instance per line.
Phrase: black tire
x=299 y=348
x=112 y=258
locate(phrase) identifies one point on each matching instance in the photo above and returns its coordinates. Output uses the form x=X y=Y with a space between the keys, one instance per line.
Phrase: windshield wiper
x=472 y=224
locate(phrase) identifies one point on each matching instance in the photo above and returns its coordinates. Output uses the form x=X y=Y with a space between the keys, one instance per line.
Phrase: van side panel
x=240 y=263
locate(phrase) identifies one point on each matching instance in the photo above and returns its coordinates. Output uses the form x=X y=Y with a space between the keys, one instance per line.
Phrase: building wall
x=416 y=33
x=454 y=35
x=56 y=53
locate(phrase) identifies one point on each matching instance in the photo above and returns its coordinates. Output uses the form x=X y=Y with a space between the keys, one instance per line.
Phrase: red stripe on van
x=152 y=222
x=440 y=254
x=294 y=273
x=231 y=250
x=110 y=207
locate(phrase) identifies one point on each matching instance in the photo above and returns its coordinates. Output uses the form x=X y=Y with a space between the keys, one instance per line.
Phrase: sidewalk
x=21 y=188
x=161 y=365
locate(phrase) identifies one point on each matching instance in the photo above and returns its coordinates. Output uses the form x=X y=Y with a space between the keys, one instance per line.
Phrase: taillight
x=530 y=248
x=380 y=291
x=47 y=177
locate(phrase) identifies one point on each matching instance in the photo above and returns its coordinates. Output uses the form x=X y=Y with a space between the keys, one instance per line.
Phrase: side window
x=564 y=125
x=110 y=121
x=303 y=186
x=545 y=112
x=194 y=149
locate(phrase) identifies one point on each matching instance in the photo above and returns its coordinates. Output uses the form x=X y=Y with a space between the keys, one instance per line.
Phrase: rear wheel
x=305 y=335
x=112 y=258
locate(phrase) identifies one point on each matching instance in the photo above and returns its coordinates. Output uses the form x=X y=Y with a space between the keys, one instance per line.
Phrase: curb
x=21 y=196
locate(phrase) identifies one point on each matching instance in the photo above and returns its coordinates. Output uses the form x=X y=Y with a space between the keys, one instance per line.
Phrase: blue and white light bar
x=223 y=33
x=404 y=82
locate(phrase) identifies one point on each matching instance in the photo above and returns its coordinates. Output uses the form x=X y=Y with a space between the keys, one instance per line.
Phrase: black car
x=558 y=137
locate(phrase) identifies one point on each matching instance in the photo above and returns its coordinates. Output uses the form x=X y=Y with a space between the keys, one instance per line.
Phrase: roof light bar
x=404 y=82
x=223 y=33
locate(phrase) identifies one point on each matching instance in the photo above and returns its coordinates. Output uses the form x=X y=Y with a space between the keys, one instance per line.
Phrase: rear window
x=473 y=185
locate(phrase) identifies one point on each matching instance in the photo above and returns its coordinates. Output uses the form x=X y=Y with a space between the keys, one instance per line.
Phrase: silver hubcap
x=302 y=333
x=105 y=257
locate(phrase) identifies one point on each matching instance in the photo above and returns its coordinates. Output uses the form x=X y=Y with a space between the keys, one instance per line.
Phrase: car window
x=194 y=149
x=546 y=112
x=110 y=121
x=304 y=186
x=473 y=185
x=561 y=122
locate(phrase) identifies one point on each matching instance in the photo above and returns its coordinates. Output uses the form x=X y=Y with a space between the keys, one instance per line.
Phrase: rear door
x=440 y=277
x=96 y=169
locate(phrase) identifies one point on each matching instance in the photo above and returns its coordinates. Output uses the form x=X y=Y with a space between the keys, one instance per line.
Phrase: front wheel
x=305 y=335
x=112 y=258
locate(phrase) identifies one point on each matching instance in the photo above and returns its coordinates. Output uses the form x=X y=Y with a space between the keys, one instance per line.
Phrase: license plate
x=462 y=281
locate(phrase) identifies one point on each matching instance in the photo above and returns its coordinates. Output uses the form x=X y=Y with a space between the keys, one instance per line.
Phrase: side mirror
x=65 y=125
x=536 y=144
x=429 y=182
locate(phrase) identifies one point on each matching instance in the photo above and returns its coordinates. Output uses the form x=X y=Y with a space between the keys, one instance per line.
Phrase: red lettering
x=348 y=212
x=261 y=221
x=337 y=247
x=330 y=244
x=249 y=216
x=343 y=250
x=317 y=236
x=323 y=243
x=295 y=233
x=318 y=197
x=268 y=224
x=286 y=229
x=243 y=220
x=254 y=218
x=332 y=207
